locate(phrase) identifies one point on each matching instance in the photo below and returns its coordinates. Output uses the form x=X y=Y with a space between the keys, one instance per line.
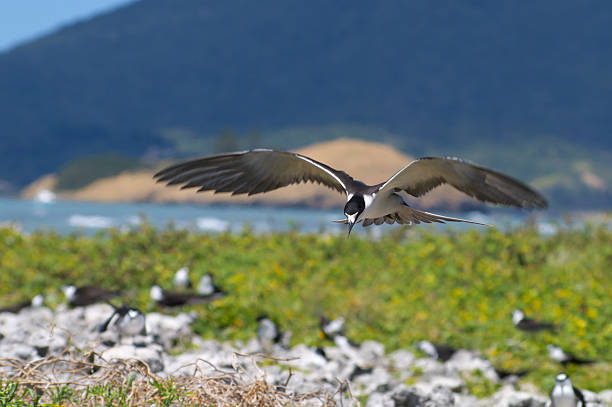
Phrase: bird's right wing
x=252 y=172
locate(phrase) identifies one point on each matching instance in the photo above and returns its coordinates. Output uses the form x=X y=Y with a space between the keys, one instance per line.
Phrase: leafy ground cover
x=411 y=284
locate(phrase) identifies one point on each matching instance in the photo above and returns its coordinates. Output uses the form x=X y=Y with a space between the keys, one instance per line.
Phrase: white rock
x=371 y=353
x=469 y=361
x=95 y=314
x=150 y=355
x=406 y=396
x=304 y=358
x=430 y=367
x=593 y=399
x=17 y=351
x=380 y=400
x=402 y=359
x=45 y=340
x=508 y=397
x=166 y=329
x=378 y=380
x=454 y=384
x=606 y=396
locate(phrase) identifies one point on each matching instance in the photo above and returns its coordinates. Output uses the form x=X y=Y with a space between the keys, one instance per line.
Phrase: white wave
x=45 y=196
x=90 y=221
x=212 y=224
x=546 y=228
x=134 y=220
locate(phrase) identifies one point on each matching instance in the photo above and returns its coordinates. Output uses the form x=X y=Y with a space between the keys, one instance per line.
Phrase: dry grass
x=84 y=379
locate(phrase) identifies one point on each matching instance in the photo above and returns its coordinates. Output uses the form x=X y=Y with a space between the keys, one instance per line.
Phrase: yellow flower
x=563 y=293
x=457 y=292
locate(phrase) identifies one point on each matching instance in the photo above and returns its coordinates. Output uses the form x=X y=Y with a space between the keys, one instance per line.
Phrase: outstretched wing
x=406 y=215
x=252 y=172
x=424 y=174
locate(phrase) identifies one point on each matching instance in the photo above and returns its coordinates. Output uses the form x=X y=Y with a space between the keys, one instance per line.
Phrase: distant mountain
x=451 y=74
x=366 y=161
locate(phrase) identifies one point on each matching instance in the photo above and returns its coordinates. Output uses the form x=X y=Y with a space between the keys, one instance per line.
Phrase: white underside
x=377 y=206
x=563 y=396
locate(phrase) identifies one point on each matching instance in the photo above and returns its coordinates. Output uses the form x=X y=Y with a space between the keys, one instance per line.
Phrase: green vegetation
x=411 y=284
x=83 y=171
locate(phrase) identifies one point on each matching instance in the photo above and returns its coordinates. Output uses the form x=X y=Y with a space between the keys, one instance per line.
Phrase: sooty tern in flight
x=564 y=394
x=262 y=170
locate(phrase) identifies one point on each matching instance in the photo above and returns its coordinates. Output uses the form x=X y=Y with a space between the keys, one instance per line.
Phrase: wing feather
x=425 y=174
x=252 y=172
x=411 y=216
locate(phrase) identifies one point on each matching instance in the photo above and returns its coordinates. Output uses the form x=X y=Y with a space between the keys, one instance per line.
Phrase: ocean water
x=88 y=217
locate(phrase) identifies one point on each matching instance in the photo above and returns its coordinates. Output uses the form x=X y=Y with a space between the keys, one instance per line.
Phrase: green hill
x=450 y=76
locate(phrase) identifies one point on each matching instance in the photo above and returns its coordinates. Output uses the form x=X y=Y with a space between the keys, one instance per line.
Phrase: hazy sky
x=22 y=20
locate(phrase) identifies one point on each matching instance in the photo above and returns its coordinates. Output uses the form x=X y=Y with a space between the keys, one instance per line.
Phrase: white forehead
x=38 y=300
x=69 y=291
x=156 y=293
x=133 y=313
x=517 y=316
x=427 y=348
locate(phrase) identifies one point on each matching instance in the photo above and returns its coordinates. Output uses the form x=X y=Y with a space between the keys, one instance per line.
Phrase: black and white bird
x=268 y=334
x=206 y=286
x=176 y=299
x=87 y=295
x=181 y=278
x=509 y=374
x=439 y=351
x=331 y=328
x=127 y=320
x=564 y=394
x=334 y=330
x=35 y=302
x=523 y=323
x=566 y=358
x=262 y=170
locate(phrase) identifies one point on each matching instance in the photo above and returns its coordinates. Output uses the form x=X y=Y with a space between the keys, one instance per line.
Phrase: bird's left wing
x=424 y=174
x=252 y=172
x=579 y=396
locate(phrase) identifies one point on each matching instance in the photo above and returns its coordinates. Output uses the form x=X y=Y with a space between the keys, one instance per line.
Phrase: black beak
x=350 y=227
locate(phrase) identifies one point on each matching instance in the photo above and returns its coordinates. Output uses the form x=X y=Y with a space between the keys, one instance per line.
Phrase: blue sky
x=23 y=20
